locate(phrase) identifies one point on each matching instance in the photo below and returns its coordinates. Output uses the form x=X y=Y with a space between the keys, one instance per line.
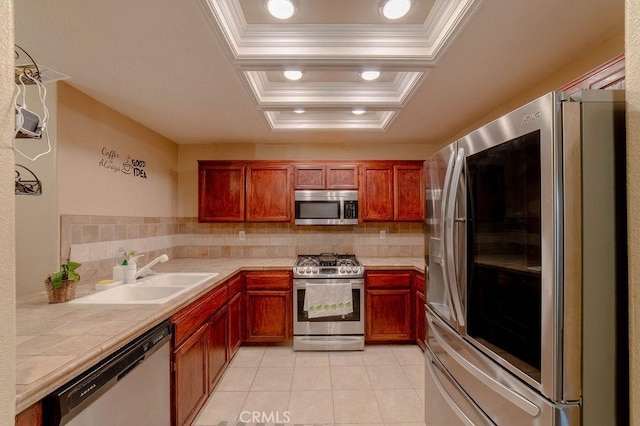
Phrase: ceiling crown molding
x=329 y=120
x=407 y=50
x=392 y=94
x=418 y=44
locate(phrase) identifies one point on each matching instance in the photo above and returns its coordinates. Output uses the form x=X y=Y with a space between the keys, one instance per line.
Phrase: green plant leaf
x=72 y=266
x=56 y=279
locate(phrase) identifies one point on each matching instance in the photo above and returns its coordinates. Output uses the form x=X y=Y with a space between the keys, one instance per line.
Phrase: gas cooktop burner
x=327 y=265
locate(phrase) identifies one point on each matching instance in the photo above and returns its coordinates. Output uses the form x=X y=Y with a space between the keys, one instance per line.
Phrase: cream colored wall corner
x=37 y=221
x=110 y=165
x=633 y=193
x=7 y=232
x=190 y=154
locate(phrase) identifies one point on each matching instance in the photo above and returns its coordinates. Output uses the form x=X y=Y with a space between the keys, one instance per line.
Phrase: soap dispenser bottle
x=131 y=268
x=118 y=264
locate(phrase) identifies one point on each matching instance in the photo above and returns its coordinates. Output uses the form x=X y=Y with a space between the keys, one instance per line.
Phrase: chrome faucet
x=146 y=271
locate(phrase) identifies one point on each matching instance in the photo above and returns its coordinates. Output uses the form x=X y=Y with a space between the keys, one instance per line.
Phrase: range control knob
x=314 y=270
x=308 y=270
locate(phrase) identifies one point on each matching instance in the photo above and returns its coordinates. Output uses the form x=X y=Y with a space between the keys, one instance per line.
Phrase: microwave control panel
x=351 y=209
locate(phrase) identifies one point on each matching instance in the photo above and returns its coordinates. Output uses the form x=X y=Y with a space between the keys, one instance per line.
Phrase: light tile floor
x=382 y=385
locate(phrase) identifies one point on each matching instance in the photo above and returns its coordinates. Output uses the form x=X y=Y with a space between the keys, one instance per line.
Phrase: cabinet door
x=217 y=346
x=190 y=382
x=235 y=324
x=220 y=192
x=408 y=185
x=268 y=315
x=309 y=176
x=342 y=176
x=269 y=196
x=376 y=192
x=388 y=315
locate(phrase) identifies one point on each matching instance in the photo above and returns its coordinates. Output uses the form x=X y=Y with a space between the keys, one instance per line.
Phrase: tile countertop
x=55 y=343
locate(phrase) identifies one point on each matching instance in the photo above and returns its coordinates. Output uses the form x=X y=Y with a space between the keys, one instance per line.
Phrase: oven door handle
x=354 y=284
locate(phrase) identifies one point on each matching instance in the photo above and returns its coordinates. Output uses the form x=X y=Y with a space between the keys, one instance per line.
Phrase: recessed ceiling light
x=357 y=111
x=299 y=110
x=370 y=75
x=395 y=9
x=293 y=75
x=281 y=9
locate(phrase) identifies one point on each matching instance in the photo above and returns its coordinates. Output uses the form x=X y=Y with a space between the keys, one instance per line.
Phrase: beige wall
x=37 y=222
x=633 y=192
x=581 y=65
x=190 y=154
x=88 y=128
x=7 y=267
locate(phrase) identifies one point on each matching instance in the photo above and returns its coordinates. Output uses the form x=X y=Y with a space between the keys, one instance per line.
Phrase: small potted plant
x=61 y=285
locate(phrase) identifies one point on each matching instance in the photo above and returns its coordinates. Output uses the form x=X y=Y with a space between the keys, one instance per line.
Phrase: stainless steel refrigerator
x=526 y=254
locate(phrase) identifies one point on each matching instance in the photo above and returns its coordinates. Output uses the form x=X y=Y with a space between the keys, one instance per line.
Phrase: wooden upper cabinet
x=342 y=176
x=221 y=191
x=376 y=192
x=309 y=176
x=610 y=75
x=263 y=191
x=269 y=197
x=408 y=191
x=325 y=176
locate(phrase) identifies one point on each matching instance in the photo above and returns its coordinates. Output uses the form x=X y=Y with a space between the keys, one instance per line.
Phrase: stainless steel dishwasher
x=130 y=387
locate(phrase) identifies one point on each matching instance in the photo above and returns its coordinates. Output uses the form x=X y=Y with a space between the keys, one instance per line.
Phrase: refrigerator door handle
x=449 y=221
x=508 y=394
x=446 y=190
x=449 y=399
x=446 y=193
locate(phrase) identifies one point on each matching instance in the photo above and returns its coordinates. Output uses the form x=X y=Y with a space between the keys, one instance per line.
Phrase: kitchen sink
x=157 y=289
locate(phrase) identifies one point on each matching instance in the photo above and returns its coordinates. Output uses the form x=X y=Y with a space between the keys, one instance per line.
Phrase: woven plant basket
x=64 y=293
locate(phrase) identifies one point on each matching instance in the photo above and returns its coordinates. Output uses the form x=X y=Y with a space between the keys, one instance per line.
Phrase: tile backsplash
x=94 y=240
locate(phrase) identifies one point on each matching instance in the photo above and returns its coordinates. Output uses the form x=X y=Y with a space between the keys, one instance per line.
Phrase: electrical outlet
x=383 y=234
x=241 y=235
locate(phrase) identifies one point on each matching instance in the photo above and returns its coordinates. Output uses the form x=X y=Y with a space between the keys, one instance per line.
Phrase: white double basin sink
x=157 y=289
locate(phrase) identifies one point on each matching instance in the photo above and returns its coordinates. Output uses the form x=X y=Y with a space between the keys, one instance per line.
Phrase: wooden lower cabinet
x=420 y=318
x=190 y=385
x=419 y=315
x=32 y=416
x=389 y=306
x=268 y=303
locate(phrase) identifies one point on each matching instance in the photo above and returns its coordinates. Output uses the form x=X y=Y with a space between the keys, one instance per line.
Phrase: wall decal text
x=113 y=161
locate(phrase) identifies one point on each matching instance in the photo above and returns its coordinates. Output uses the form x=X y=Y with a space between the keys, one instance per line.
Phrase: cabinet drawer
x=388 y=279
x=268 y=280
x=193 y=316
x=235 y=285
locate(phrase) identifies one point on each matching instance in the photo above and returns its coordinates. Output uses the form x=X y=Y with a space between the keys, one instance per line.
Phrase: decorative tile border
x=94 y=240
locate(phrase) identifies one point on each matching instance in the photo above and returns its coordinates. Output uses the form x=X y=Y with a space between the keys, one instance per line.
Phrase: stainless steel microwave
x=326 y=207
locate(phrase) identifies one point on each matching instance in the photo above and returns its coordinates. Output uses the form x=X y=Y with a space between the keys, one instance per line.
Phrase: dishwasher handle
x=68 y=400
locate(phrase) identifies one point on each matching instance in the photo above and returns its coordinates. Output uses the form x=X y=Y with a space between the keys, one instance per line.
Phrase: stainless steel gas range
x=328 y=303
